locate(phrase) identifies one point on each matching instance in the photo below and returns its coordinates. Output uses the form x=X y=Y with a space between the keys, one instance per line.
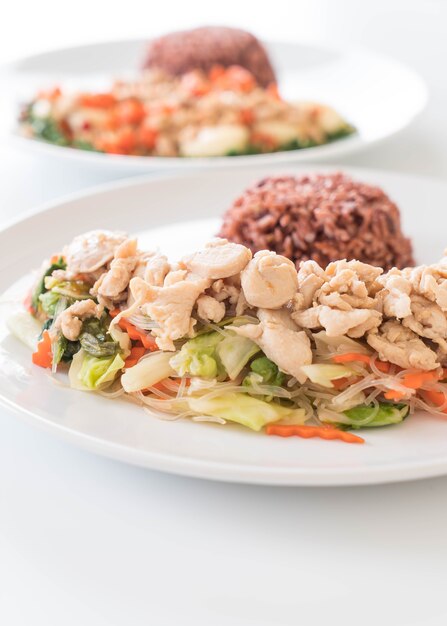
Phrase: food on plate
x=322 y=217
x=201 y=48
x=203 y=113
x=225 y=336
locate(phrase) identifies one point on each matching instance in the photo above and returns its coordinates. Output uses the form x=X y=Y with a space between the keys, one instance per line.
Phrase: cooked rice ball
x=323 y=217
x=201 y=48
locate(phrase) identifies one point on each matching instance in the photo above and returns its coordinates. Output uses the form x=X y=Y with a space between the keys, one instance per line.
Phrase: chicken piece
x=401 y=346
x=337 y=323
x=210 y=309
x=427 y=320
x=395 y=295
x=89 y=252
x=429 y=281
x=218 y=259
x=269 y=281
x=281 y=340
x=310 y=278
x=156 y=270
x=230 y=289
x=112 y=285
x=170 y=307
x=69 y=322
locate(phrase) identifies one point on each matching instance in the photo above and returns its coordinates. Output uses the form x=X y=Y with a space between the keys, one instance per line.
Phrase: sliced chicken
x=91 y=251
x=269 y=280
x=112 y=285
x=281 y=341
x=69 y=322
x=427 y=320
x=400 y=345
x=170 y=307
x=218 y=259
x=337 y=323
x=396 y=294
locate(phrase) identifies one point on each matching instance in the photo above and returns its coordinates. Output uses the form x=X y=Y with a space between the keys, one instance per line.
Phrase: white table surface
x=84 y=540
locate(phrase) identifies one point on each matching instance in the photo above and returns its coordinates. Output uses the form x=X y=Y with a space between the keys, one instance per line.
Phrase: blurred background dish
x=377 y=95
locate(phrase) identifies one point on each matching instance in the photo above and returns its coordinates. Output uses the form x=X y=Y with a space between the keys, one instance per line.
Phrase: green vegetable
x=97 y=346
x=48 y=302
x=198 y=357
x=214 y=355
x=234 y=352
x=243 y=409
x=362 y=416
x=40 y=287
x=264 y=372
x=46 y=128
x=75 y=289
x=323 y=373
x=91 y=373
x=147 y=372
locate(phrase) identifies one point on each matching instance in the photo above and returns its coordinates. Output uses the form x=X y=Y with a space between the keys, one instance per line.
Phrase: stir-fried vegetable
x=372 y=416
x=241 y=408
x=91 y=373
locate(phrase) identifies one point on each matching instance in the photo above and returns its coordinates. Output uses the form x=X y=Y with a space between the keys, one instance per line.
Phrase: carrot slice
x=437 y=397
x=350 y=357
x=135 y=355
x=134 y=333
x=43 y=357
x=97 y=100
x=323 y=432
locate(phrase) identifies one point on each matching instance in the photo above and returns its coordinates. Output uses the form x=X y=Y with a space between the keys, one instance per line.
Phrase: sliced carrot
x=436 y=397
x=323 y=432
x=350 y=357
x=146 y=136
x=415 y=380
x=342 y=383
x=97 y=100
x=135 y=355
x=216 y=72
x=393 y=394
x=236 y=78
x=129 y=112
x=43 y=357
x=134 y=333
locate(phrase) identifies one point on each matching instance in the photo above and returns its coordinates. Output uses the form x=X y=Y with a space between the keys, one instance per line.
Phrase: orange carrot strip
x=97 y=100
x=323 y=432
x=43 y=357
x=415 y=380
x=134 y=333
x=350 y=357
x=437 y=397
x=135 y=355
x=392 y=394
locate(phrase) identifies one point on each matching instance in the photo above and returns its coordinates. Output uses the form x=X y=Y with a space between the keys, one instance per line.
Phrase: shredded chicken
x=170 y=306
x=281 y=340
x=209 y=309
x=269 y=280
x=112 y=286
x=69 y=322
x=91 y=251
x=400 y=345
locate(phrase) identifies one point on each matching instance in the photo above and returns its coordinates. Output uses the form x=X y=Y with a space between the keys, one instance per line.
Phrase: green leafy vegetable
x=91 y=373
x=148 y=372
x=264 y=372
x=243 y=409
x=40 y=286
x=46 y=128
x=234 y=352
x=214 y=355
x=323 y=373
x=198 y=357
x=364 y=416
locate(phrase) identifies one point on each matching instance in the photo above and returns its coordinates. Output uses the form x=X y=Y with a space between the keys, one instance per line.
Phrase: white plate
x=118 y=429
x=377 y=94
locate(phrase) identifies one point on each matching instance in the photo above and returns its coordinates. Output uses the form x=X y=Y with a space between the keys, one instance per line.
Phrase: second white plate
x=377 y=94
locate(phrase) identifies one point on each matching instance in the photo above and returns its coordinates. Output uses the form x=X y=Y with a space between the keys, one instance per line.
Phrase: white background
x=87 y=541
